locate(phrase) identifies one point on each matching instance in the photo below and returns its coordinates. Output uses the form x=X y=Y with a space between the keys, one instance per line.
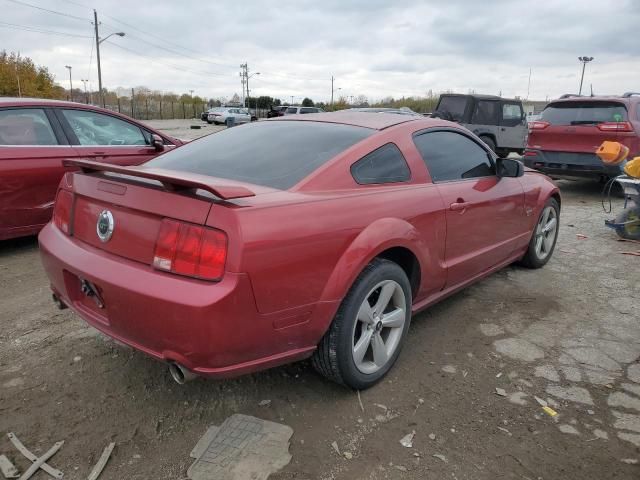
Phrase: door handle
x=459 y=206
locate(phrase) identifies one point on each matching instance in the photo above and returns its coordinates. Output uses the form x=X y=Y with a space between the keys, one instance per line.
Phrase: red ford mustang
x=36 y=135
x=267 y=243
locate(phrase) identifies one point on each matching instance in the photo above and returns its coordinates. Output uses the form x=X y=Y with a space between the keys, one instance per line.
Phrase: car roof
x=379 y=121
x=595 y=98
x=400 y=111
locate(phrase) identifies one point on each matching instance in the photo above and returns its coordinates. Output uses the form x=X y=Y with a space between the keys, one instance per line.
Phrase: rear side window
x=25 y=126
x=276 y=154
x=384 y=165
x=308 y=110
x=292 y=110
x=454 y=105
x=485 y=113
x=451 y=156
x=511 y=114
x=584 y=113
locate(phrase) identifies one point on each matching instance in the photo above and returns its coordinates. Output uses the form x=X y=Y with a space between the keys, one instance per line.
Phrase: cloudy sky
x=372 y=47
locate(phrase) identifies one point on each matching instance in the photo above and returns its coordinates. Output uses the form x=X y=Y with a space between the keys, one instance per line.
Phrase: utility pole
x=68 y=67
x=529 y=84
x=244 y=80
x=95 y=24
x=584 y=61
x=85 y=90
x=18 y=75
x=332 y=89
x=291 y=99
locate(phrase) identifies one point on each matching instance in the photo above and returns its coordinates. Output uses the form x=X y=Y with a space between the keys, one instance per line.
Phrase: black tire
x=333 y=357
x=216 y=123
x=531 y=259
x=489 y=142
x=502 y=152
x=210 y=122
x=630 y=232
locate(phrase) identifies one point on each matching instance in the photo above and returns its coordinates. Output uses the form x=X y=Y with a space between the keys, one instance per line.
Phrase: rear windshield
x=584 y=113
x=276 y=154
x=454 y=105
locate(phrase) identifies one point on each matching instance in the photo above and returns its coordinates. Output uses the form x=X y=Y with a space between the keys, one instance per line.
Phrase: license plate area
x=86 y=296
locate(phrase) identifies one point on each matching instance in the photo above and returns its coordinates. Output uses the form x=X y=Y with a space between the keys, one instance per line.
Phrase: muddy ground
x=568 y=334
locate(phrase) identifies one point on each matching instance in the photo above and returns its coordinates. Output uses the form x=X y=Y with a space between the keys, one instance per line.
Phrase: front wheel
x=489 y=142
x=368 y=331
x=545 y=234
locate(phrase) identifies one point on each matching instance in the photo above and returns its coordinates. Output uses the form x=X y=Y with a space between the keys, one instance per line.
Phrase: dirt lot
x=569 y=334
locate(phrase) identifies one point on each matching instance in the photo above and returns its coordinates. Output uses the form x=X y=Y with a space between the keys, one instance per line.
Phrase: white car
x=223 y=115
x=302 y=110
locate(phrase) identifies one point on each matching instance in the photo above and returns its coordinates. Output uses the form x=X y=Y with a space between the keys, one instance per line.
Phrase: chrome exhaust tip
x=180 y=374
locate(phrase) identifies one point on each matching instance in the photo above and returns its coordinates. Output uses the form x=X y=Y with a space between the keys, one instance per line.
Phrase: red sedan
x=316 y=236
x=36 y=135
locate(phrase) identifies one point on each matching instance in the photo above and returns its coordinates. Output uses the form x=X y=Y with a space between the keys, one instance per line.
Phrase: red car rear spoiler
x=171 y=180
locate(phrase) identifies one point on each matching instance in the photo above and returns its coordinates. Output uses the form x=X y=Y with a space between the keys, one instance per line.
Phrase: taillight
x=191 y=250
x=538 y=125
x=62 y=211
x=615 y=127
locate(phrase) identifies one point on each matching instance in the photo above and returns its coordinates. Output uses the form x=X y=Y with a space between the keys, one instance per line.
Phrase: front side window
x=25 y=126
x=384 y=165
x=485 y=113
x=451 y=156
x=92 y=128
x=292 y=110
x=272 y=154
x=308 y=110
x=511 y=114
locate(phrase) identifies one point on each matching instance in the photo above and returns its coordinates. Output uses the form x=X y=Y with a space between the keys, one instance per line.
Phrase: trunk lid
x=139 y=199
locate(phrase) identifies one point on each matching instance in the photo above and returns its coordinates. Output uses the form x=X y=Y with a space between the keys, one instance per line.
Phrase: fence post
x=119 y=111
x=160 y=108
x=184 y=111
x=133 y=112
x=173 y=115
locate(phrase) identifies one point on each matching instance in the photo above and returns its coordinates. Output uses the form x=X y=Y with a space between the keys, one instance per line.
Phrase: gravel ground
x=183 y=130
x=568 y=334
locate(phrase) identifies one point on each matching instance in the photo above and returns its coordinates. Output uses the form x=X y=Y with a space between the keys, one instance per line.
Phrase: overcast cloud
x=373 y=47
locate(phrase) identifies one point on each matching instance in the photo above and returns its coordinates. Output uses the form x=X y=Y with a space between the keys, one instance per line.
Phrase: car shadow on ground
x=17 y=245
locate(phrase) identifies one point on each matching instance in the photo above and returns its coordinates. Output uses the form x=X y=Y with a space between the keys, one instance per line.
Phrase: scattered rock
x=407 y=440
x=432 y=436
x=570 y=429
x=591 y=412
x=401 y=468
x=137 y=456
x=440 y=457
x=572 y=394
x=518 y=349
x=335 y=447
x=601 y=434
x=77 y=358
x=501 y=391
x=518 y=398
x=621 y=399
x=630 y=461
x=348 y=455
x=449 y=369
x=491 y=330
x=421 y=401
x=498 y=375
x=264 y=403
x=383 y=407
x=416 y=454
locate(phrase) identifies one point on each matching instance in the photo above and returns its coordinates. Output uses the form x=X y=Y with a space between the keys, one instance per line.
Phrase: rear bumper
x=569 y=164
x=213 y=329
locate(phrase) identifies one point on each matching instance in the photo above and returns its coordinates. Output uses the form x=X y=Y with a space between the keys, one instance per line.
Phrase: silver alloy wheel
x=378 y=329
x=546 y=232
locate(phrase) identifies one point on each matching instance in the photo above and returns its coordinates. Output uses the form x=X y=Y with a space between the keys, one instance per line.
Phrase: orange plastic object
x=612 y=153
x=632 y=168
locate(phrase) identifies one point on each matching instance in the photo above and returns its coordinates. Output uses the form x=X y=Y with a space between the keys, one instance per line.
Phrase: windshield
x=276 y=154
x=584 y=113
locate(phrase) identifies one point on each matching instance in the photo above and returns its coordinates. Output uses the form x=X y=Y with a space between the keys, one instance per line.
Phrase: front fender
x=381 y=235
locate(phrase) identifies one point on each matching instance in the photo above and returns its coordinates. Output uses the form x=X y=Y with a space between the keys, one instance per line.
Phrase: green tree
x=35 y=80
x=307 y=102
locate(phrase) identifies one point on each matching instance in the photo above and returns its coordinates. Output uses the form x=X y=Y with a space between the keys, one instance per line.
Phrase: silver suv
x=499 y=122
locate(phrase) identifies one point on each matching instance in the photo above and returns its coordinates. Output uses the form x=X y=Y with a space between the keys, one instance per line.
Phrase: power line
x=35 y=29
x=154 y=60
x=47 y=10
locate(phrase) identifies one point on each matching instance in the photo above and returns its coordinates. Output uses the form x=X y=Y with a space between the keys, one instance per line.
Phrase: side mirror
x=508 y=167
x=156 y=142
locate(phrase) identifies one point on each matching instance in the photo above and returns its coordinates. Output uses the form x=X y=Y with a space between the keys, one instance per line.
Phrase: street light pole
x=98 y=42
x=68 y=67
x=86 y=97
x=584 y=61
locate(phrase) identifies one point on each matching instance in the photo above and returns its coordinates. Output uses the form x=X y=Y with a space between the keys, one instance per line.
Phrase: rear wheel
x=544 y=236
x=367 y=333
x=489 y=141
